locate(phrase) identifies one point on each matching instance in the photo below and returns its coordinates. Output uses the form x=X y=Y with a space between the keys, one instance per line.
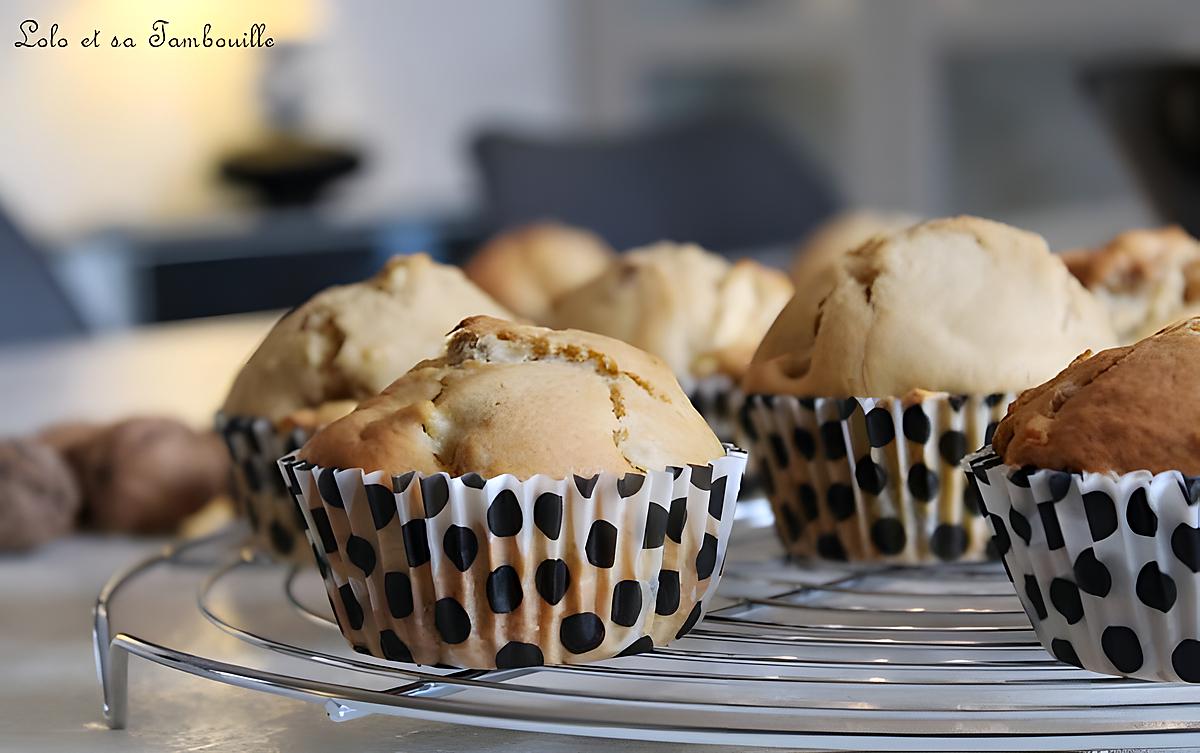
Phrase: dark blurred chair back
x=1153 y=110
x=725 y=184
x=32 y=305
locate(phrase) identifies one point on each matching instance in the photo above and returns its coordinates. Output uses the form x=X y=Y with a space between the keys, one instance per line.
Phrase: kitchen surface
x=590 y=375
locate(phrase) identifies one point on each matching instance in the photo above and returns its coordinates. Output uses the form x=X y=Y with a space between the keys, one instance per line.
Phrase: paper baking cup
x=718 y=400
x=255 y=444
x=481 y=573
x=873 y=479
x=1105 y=565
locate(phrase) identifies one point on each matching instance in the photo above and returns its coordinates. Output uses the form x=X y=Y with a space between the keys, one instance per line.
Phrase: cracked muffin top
x=512 y=398
x=692 y=308
x=1120 y=410
x=1146 y=278
x=348 y=342
x=528 y=267
x=960 y=305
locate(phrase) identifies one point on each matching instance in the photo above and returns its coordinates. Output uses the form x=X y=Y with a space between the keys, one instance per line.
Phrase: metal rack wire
x=816 y=656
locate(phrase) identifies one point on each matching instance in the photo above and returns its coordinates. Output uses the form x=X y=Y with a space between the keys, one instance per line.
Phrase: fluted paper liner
x=482 y=573
x=718 y=400
x=1106 y=565
x=255 y=445
x=873 y=479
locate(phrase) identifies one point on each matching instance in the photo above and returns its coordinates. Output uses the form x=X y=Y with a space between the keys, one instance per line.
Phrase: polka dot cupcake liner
x=873 y=479
x=1107 y=566
x=719 y=400
x=255 y=446
x=480 y=572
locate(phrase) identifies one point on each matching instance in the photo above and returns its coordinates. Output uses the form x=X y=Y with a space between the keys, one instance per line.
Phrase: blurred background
x=154 y=184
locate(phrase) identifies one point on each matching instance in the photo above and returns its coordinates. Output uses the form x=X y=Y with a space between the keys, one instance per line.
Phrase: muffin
x=528 y=267
x=862 y=410
x=343 y=345
x=1147 y=279
x=531 y=496
x=700 y=313
x=1091 y=489
x=841 y=234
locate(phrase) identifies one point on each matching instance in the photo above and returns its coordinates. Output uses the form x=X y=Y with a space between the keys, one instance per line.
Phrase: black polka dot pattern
x=435 y=493
x=677 y=519
x=548 y=514
x=354 y=610
x=382 y=503
x=504 y=515
x=826 y=462
x=361 y=554
x=582 y=632
x=668 y=593
x=452 y=621
x=515 y=655
x=1185 y=543
x=949 y=541
x=1101 y=514
x=265 y=490
x=1033 y=593
x=1155 y=588
x=840 y=498
x=398 y=589
x=1122 y=648
x=706 y=560
x=553 y=578
x=627 y=603
x=601 y=547
x=1101 y=569
x=393 y=648
x=1064 y=595
x=504 y=591
x=1091 y=574
x=460 y=545
x=452 y=572
x=656 y=526
x=1139 y=516
x=1185 y=660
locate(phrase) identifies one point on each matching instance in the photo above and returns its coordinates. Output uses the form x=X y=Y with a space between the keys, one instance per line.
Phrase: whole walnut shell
x=39 y=499
x=145 y=475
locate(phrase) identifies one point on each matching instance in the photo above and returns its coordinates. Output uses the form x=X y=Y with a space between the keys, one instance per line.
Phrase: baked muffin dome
x=528 y=267
x=511 y=398
x=349 y=342
x=960 y=305
x=1125 y=409
x=695 y=310
x=838 y=235
x=1147 y=279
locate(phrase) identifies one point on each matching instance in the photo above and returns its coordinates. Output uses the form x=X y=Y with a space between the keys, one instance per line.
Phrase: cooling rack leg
x=114 y=682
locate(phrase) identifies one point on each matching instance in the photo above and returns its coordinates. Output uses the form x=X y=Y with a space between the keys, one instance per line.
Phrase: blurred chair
x=725 y=184
x=32 y=304
x=1153 y=110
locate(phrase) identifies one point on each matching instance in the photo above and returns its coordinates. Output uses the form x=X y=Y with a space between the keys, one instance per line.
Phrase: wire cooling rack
x=796 y=656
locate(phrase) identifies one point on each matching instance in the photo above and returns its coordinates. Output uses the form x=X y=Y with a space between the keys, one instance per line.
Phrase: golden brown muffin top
x=1124 y=409
x=512 y=398
x=1146 y=278
x=697 y=311
x=348 y=342
x=528 y=267
x=961 y=305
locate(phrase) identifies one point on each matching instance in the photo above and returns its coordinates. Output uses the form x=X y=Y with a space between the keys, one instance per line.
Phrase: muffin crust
x=511 y=398
x=1120 y=410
